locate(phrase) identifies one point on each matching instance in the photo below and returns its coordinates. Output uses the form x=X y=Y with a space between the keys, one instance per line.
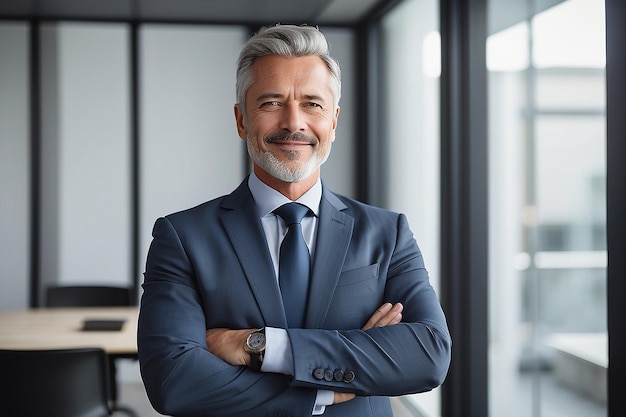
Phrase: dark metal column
x=367 y=129
x=464 y=225
x=135 y=188
x=35 y=161
x=616 y=203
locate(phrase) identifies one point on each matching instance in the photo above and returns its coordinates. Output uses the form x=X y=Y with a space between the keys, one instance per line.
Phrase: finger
x=342 y=397
x=397 y=319
x=378 y=314
x=393 y=316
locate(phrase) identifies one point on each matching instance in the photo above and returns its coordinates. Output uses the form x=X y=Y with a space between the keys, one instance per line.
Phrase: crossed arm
x=228 y=344
x=190 y=372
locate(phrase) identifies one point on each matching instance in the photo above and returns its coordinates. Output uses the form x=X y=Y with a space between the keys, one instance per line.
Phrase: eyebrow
x=314 y=97
x=266 y=96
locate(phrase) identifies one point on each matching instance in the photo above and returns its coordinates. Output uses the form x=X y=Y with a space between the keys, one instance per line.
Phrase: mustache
x=287 y=136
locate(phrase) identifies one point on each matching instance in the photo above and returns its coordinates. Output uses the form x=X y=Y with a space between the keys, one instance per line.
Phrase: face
x=290 y=118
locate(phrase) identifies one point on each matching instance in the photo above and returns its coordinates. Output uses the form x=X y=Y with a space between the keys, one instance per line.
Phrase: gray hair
x=289 y=41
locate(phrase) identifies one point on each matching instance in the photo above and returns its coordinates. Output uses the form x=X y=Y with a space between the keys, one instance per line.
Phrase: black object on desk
x=103 y=325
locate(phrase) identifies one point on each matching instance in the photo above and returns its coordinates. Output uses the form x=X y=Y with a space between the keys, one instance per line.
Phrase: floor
x=133 y=396
x=131 y=393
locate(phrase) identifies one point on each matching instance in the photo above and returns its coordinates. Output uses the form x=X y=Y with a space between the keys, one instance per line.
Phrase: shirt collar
x=268 y=199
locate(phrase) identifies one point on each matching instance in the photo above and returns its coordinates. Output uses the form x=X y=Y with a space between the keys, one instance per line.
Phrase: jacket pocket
x=357 y=275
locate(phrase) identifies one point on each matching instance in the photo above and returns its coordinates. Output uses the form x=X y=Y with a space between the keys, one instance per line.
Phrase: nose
x=293 y=119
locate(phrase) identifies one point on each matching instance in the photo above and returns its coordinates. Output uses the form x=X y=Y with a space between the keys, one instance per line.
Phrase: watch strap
x=256 y=360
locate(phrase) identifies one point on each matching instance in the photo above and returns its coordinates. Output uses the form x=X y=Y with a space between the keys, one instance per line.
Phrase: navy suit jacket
x=210 y=267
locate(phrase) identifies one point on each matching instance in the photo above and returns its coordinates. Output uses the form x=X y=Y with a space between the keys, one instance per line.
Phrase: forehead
x=281 y=71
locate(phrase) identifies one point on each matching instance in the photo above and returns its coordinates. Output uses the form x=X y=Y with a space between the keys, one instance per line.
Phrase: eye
x=270 y=103
x=313 y=104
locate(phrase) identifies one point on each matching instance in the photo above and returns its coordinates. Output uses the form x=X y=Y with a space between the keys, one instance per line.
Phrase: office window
x=547 y=257
x=409 y=137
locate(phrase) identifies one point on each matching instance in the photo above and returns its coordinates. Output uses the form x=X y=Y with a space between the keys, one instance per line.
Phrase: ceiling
x=502 y=14
x=256 y=12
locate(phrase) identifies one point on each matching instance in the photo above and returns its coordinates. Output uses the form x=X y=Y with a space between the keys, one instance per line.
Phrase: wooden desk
x=60 y=328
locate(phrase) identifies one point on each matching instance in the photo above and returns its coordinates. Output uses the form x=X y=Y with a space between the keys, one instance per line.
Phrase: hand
x=228 y=345
x=386 y=315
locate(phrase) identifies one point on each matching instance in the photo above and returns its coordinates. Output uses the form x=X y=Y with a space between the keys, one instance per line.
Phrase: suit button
x=328 y=375
x=338 y=375
x=318 y=373
x=348 y=377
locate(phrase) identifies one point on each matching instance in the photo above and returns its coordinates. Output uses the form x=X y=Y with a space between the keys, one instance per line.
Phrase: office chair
x=93 y=296
x=54 y=383
x=87 y=296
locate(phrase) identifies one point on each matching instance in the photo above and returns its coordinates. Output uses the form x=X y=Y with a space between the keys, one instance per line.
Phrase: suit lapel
x=245 y=231
x=333 y=239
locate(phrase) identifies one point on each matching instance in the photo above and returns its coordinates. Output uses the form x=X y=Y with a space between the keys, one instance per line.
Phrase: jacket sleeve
x=412 y=356
x=181 y=376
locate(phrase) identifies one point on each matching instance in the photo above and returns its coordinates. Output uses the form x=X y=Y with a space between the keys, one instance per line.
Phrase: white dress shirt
x=278 y=356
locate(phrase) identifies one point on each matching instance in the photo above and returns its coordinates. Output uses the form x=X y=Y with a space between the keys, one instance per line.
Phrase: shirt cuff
x=324 y=398
x=279 y=359
x=278 y=356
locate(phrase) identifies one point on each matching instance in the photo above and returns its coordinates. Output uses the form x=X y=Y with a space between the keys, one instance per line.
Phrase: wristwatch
x=255 y=346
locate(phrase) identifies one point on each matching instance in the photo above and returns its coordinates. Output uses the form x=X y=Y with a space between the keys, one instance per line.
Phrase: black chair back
x=94 y=296
x=87 y=296
x=54 y=383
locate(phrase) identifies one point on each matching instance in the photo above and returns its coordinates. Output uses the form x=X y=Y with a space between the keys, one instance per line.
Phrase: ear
x=335 y=118
x=241 y=125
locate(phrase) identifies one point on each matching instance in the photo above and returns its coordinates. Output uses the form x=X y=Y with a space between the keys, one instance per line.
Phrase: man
x=222 y=331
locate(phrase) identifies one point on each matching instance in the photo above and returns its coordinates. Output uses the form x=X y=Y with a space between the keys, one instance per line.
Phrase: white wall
x=14 y=166
x=410 y=136
x=93 y=148
x=411 y=121
x=190 y=151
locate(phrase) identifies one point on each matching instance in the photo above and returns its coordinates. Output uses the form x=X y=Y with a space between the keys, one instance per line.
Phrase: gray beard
x=276 y=169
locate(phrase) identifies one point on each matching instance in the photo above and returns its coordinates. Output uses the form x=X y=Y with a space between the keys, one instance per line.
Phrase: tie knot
x=292 y=212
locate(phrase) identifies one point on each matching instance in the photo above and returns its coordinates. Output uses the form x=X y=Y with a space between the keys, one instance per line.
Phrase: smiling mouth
x=291 y=139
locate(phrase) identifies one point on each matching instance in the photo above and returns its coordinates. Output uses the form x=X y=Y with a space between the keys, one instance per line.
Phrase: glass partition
x=548 y=340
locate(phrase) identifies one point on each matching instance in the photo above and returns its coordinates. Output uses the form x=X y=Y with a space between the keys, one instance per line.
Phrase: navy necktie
x=294 y=264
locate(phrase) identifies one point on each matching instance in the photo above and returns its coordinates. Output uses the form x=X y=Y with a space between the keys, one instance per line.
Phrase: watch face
x=256 y=341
